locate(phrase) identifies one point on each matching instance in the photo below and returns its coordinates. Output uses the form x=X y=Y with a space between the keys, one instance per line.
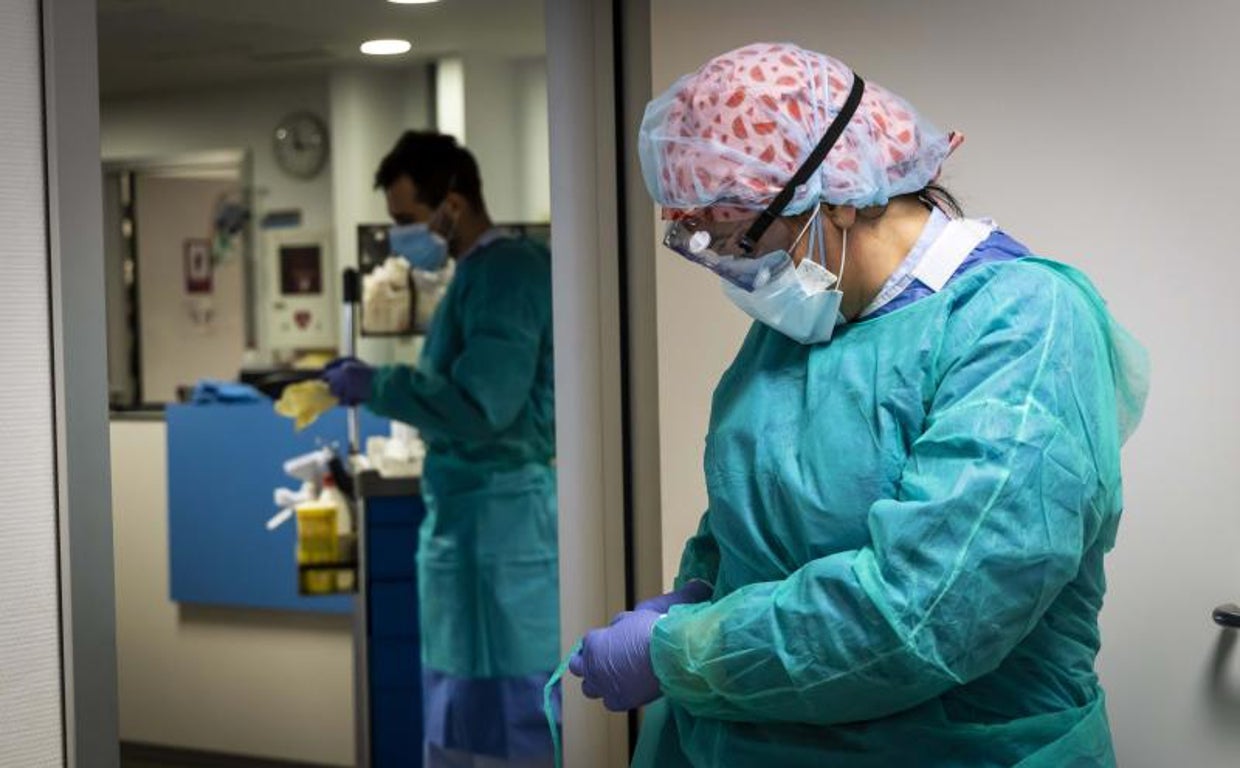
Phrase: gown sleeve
x=502 y=318
x=700 y=558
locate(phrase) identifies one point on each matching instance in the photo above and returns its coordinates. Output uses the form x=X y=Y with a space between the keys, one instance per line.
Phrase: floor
x=147 y=756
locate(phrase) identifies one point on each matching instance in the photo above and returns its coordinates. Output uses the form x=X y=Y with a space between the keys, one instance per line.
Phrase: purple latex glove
x=614 y=662
x=694 y=591
x=349 y=380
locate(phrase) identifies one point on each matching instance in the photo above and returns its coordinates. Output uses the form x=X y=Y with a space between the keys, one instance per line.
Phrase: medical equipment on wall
x=230 y=222
x=297 y=297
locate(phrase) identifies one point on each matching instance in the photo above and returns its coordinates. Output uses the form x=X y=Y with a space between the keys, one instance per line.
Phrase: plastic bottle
x=317 y=546
x=331 y=496
x=345 y=537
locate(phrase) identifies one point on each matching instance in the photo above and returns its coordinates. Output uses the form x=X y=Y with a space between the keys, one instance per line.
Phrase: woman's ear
x=842 y=216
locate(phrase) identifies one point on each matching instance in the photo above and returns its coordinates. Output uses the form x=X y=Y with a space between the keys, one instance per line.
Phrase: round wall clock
x=300 y=142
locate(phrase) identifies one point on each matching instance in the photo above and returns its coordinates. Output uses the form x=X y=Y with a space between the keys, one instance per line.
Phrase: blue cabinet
x=392 y=511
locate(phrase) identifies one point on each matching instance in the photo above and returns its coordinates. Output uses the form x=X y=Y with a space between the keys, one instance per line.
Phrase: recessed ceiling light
x=386 y=47
x=413 y=2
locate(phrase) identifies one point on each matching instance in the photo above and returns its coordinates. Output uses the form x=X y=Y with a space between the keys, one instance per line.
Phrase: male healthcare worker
x=481 y=395
x=913 y=464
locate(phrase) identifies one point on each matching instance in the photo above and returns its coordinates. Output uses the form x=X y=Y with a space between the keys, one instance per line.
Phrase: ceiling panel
x=159 y=45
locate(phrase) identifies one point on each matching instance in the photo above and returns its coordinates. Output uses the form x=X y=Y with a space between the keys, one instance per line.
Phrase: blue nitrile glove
x=614 y=662
x=335 y=364
x=349 y=380
x=694 y=591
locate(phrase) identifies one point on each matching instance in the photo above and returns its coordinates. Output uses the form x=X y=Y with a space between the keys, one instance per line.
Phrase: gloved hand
x=349 y=380
x=694 y=591
x=614 y=662
x=335 y=364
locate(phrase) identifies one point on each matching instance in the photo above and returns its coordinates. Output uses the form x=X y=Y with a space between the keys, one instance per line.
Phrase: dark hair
x=931 y=196
x=436 y=165
x=937 y=196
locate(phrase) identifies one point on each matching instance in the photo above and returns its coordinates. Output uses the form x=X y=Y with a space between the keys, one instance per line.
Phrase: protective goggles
x=747 y=250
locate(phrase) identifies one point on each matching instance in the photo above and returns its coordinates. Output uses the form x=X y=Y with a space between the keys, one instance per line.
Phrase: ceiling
x=160 y=45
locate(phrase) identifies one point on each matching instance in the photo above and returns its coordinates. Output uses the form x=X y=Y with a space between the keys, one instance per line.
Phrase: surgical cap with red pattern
x=734 y=132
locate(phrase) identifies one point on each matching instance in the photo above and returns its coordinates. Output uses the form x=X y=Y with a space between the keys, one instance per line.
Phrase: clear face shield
x=748 y=248
x=717 y=246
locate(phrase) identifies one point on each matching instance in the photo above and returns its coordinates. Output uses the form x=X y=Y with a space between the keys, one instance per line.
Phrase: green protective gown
x=482 y=398
x=905 y=531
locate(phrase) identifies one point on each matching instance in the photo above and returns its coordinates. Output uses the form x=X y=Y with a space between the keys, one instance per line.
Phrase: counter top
x=371 y=483
x=152 y=413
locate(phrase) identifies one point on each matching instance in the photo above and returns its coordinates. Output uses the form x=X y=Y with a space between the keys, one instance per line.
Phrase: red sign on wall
x=198 y=270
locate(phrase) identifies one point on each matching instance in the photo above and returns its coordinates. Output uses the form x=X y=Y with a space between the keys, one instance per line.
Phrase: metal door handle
x=1227 y=616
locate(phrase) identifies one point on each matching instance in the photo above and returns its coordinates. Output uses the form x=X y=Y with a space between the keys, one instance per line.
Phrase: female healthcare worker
x=482 y=396
x=913 y=470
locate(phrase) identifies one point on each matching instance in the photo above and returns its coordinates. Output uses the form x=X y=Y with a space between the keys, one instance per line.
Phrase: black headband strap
x=807 y=169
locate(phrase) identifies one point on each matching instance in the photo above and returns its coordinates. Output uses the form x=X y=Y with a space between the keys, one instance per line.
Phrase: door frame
x=80 y=382
x=607 y=430
x=607 y=439
x=218 y=164
x=224 y=164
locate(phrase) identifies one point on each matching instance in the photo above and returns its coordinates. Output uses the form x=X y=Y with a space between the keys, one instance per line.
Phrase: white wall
x=272 y=685
x=498 y=108
x=450 y=98
x=185 y=337
x=30 y=682
x=1102 y=134
x=370 y=109
x=223 y=118
x=491 y=120
x=535 y=140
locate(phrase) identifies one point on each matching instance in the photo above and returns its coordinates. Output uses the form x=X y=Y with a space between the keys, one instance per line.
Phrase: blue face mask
x=803 y=301
x=419 y=245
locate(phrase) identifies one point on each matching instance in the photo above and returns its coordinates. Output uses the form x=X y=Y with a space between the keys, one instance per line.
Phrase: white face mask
x=803 y=303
